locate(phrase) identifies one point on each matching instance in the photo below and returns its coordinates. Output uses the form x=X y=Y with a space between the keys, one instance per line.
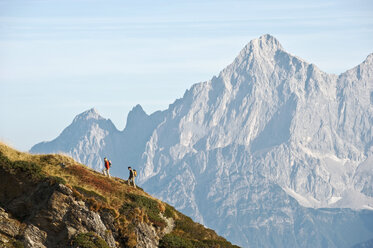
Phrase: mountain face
x=272 y=152
x=91 y=135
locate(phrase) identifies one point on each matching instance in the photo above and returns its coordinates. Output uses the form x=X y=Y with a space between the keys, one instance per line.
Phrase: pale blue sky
x=59 y=58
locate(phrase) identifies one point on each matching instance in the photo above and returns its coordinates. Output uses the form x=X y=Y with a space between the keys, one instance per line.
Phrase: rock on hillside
x=50 y=217
x=52 y=201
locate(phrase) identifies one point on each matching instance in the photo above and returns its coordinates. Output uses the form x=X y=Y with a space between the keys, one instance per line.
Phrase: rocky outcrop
x=9 y=227
x=50 y=216
x=148 y=236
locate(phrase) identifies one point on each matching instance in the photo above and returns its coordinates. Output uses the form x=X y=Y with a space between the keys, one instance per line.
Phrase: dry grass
x=75 y=174
x=12 y=154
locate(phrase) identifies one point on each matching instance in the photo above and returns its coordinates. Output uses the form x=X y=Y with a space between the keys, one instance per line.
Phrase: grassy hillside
x=128 y=205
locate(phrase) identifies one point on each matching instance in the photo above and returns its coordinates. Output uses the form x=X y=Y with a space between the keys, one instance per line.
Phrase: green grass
x=17 y=244
x=56 y=179
x=173 y=241
x=150 y=206
x=198 y=235
x=27 y=169
x=89 y=240
x=170 y=212
x=90 y=193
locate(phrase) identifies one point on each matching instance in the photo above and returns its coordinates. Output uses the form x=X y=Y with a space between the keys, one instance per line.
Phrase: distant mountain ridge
x=263 y=142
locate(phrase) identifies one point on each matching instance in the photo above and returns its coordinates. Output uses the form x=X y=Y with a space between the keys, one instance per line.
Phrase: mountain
x=273 y=152
x=92 y=136
x=52 y=201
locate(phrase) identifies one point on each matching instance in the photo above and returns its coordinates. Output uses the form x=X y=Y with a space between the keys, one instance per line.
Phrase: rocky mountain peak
x=368 y=62
x=259 y=56
x=89 y=114
x=264 y=46
x=266 y=42
x=369 y=57
x=136 y=114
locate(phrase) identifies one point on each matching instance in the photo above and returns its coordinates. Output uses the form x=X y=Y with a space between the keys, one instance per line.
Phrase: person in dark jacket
x=131 y=177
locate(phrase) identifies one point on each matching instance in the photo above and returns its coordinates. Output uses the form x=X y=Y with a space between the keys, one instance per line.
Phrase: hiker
x=132 y=176
x=107 y=165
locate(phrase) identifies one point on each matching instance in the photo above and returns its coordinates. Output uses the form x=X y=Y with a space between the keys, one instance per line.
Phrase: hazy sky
x=59 y=58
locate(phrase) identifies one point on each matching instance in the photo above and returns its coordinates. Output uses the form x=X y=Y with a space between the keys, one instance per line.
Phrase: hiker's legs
x=105 y=171
x=133 y=181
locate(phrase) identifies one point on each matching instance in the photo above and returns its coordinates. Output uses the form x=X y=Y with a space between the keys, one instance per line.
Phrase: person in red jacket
x=107 y=165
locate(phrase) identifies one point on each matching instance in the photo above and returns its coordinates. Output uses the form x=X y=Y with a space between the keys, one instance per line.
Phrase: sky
x=59 y=58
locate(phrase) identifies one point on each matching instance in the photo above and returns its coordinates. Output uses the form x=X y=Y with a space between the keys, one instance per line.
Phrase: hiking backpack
x=134 y=173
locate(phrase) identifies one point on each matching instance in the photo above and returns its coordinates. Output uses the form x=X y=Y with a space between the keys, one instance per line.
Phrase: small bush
x=87 y=177
x=174 y=241
x=17 y=244
x=145 y=202
x=90 y=193
x=170 y=212
x=199 y=235
x=48 y=159
x=77 y=194
x=150 y=206
x=190 y=228
x=4 y=161
x=55 y=179
x=93 y=204
x=157 y=220
x=89 y=240
x=25 y=168
x=127 y=209
x=30 y=168
x=111 y=211
x=213 y=244
x=132 y=240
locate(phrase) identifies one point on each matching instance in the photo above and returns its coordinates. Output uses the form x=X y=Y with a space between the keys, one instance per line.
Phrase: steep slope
x=268 y=144
x=52 y=201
